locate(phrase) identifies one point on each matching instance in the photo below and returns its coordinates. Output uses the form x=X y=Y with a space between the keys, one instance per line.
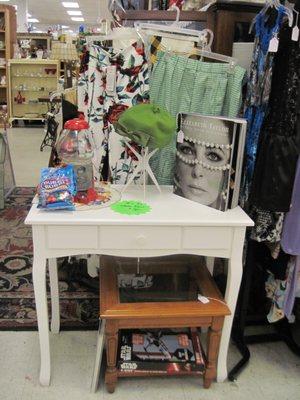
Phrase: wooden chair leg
x=213 y=342
x=111 y=333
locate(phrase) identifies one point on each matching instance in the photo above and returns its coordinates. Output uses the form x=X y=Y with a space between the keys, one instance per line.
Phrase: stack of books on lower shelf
x=155 y=352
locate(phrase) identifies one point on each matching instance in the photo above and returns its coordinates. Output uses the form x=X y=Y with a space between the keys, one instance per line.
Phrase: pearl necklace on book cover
x=202 y=163
x=207 y=144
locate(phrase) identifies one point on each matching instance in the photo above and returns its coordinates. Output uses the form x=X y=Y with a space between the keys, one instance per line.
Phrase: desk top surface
x=166 y=209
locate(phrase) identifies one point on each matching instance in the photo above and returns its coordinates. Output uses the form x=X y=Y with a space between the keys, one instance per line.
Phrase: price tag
x=273 y=45
x=295 y=34
x=111 y=73
x=180 y=136
x=203 y=299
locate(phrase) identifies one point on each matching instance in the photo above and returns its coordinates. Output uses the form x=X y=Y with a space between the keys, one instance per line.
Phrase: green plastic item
x=131 y=207
x=148 y=125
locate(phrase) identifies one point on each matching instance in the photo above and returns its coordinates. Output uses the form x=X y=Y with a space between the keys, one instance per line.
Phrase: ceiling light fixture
x=78 y=19
x=65 y=26
x=74 y=12
x=33 y=20
x=70 y=4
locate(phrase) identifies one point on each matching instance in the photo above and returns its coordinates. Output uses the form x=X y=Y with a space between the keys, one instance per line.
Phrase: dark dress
x=280 y=137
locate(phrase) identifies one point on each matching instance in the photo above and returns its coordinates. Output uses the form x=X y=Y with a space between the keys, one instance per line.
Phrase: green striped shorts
x=181 y=84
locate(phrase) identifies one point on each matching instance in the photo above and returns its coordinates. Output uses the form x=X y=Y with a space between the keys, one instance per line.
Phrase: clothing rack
x=243 y=320
x=277 y=331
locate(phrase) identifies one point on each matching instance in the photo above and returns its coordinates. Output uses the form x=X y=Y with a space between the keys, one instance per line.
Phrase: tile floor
x=27 y=159
x=274 y=373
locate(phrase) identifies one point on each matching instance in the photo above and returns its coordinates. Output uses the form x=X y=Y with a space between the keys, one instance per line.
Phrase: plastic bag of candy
x=57 y=188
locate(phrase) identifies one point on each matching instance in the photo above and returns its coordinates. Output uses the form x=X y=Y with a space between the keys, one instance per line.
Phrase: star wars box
x=158 y=352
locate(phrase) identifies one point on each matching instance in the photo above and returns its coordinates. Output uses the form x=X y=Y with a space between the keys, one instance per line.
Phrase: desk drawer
x=140 y=237
x=71 y=237
x=206 y=238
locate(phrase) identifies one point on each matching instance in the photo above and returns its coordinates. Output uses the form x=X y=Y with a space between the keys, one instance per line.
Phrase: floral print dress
x=130 y=82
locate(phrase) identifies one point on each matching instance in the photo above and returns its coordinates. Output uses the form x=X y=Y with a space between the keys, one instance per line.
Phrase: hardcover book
x=160 y=353
x=209 y=159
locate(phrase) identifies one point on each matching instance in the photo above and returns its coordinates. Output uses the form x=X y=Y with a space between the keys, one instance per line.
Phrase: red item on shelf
x=178 y=3
x=86 y=197
x=19 y=99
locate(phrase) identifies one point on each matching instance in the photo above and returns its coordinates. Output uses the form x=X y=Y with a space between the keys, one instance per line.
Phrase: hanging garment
x=267 y=26
x=268 y=225
x=291 y=228
x=116 y=82
x=83 y=83
x=291 y=287
x=275 y=291
x=273 y=272
x=181 y=84
x=277 y=285
x=280 y=141
x=159 y=43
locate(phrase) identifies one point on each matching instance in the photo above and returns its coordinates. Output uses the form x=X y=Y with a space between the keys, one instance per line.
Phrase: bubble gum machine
x=75 y=147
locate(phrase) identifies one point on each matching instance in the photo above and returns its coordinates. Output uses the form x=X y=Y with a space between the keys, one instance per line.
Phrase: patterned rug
x=78 y=292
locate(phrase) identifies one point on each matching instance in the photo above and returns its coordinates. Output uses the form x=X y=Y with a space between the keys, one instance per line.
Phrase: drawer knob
x=141 y=240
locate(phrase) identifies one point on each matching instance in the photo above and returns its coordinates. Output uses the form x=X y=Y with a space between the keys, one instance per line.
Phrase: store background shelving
x=30 y=78
x=8 y=27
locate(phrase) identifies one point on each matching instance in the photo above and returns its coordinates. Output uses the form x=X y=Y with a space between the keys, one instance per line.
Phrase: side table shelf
x=169 y=299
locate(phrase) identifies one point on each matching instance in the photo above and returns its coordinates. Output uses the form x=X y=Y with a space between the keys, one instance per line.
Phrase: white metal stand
x=143 y=167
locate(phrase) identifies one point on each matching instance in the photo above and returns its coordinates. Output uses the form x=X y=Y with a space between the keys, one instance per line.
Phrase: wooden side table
x=169 y=301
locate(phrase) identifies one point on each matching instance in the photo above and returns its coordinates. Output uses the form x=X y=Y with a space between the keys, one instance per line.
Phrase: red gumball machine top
x=76 y=124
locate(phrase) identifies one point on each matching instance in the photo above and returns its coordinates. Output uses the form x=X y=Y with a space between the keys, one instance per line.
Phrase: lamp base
x=143 y=166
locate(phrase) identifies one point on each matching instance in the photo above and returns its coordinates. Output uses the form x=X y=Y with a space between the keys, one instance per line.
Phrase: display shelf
x=41 y=118
x=8 y=37
x=157 y=15
x=33 y=90
x=39 y=40
x=35 y=77
x=25 y=73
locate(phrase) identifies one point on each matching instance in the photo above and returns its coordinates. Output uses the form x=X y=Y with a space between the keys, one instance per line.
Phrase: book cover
x=158 y=352
x=209 y=156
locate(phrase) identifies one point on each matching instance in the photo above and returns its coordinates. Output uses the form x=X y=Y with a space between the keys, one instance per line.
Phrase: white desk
x=174 y=226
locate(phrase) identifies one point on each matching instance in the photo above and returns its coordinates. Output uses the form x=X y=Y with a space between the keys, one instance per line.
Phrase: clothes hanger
x=204 y=49
x=276 y=4
x=119 y=32
x=174 y=29
x=216 y=56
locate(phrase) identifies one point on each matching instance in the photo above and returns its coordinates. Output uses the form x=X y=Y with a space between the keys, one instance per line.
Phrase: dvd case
x=160 y=353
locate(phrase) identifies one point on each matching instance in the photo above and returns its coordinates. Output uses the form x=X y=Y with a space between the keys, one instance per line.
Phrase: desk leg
x=55 y=312
x=39 y=282
x=234 y=277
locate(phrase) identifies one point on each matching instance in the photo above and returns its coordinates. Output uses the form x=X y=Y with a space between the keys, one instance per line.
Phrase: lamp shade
x=64 y=51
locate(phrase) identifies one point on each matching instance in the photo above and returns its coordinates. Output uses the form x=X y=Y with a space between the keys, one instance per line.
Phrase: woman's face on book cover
x=197 y=178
